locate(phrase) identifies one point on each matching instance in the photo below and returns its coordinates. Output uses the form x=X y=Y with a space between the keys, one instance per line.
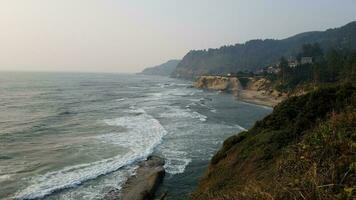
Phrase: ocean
x=78 y=135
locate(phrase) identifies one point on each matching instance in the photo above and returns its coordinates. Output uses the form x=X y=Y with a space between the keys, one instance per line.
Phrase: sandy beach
x=257 y=97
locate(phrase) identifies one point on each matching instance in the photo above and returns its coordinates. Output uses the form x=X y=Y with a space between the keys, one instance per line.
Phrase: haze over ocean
x=127 y=36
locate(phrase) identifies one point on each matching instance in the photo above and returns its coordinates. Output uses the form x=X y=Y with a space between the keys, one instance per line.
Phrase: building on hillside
x=260 y=71
x=273 y=69
x=292 y=62
x=306 y=60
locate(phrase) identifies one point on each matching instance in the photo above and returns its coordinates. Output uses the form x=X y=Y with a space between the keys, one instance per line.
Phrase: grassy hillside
x=257 y=54
x=304 y=150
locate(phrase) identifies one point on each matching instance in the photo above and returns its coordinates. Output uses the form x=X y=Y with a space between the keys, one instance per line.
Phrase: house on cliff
x=306 y=60
x=292 y=62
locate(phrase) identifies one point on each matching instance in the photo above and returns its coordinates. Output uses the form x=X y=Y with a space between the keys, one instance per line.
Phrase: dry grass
x=269 y=162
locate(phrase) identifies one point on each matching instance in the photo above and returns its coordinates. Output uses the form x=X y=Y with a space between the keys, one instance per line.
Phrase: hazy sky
x=126 y=36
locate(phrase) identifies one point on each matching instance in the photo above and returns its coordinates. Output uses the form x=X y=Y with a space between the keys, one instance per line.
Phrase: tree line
x=335 y=65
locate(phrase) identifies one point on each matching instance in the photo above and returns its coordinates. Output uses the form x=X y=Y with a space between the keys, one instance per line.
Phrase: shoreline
x=149 y=175
x=255 y=97
x=256 y=90
x=143 y=184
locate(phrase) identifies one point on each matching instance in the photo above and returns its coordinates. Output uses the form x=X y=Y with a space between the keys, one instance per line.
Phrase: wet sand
x=257 y=97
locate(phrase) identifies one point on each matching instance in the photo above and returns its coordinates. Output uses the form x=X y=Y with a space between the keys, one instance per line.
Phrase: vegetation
x=334 y=66
x=164 y=69
x=256 y=54
x=244 y=81
x=303 y=150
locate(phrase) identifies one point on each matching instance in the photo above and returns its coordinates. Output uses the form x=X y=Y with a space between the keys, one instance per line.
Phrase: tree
x=283 y=64
x=311 y=50
x=335 y=64
x=350 y=70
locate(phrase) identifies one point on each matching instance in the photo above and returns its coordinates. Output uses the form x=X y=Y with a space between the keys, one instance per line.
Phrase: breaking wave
x=143 y=133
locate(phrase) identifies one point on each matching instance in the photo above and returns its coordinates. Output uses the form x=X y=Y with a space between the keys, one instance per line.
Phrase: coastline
x=143 y=184
x=149 y=175
x=255 y=90
x=256 y=97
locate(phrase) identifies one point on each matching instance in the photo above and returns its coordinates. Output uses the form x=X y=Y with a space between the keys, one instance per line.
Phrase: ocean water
x=78 y=135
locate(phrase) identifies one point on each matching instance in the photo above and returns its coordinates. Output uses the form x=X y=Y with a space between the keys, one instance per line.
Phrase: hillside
x=164 y=69
x=256 y=54
x=303 y=150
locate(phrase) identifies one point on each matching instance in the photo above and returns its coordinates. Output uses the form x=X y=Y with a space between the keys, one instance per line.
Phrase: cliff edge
x=256 y=90
x=143 y=185
x=221 y=83
x=303 y=150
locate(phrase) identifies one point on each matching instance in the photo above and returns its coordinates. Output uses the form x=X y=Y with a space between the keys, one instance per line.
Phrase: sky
x=126 y=36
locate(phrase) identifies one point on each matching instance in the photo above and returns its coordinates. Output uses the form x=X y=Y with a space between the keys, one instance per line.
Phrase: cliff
x=165 y=69
x=143 y=184
x=254 y=90
x=227 y=84
x=256 y=54
x=303 y=150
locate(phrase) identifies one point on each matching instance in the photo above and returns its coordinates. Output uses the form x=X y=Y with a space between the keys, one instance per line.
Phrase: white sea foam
x=190 y=105
x=165 y=85
x=213 y=110
x=199 y=116
x=5 y=177
x=158 y=94
x=143 y=134
x=175 y=153
x=241 y=128
x=180 y=92
x=183 y=84
x=176 y=161
x=176 y=112
x=100 y=188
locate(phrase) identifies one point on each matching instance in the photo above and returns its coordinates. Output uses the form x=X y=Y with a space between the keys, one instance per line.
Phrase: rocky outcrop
x=256 y=90
x=221 y=83
x=264 y=87
x=143 y=184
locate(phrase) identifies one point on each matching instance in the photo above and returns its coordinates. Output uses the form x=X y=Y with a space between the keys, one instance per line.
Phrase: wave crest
x=143 y=134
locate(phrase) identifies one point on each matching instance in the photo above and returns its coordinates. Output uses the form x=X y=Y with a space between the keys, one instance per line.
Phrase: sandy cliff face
x=264 y=87
x=255 y=90
x=228 y=84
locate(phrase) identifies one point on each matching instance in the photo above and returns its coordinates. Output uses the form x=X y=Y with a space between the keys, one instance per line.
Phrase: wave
x=176 y=161
x=121 y=99
x=176 y=156
x=199 y=116
x=176 y=112
x=143 y=134
x=164 y=85
x=241 y=128
x=5 y=177
x=213 y=110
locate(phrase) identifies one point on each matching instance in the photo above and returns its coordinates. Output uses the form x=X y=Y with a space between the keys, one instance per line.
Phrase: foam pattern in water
x=143 y=134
